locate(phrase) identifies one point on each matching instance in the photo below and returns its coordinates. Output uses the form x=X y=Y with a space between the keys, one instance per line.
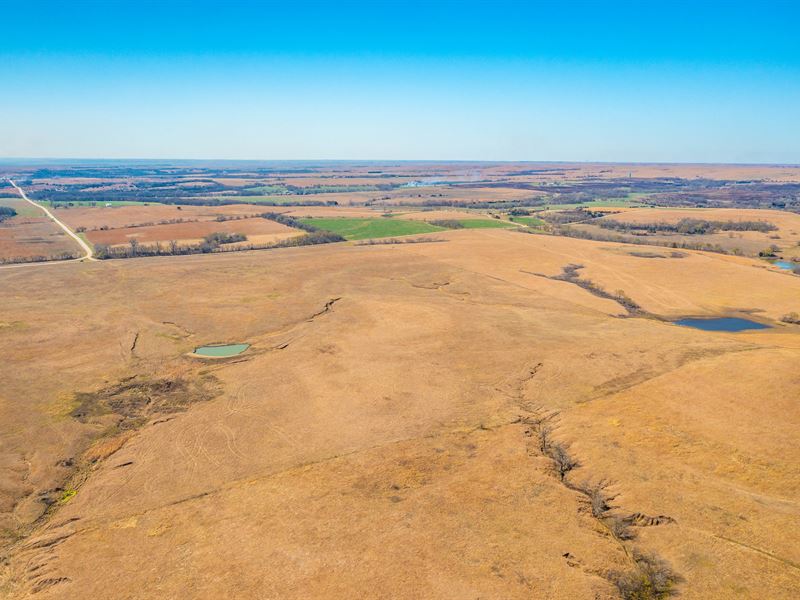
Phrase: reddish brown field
x=122 y=216
x=256 y=229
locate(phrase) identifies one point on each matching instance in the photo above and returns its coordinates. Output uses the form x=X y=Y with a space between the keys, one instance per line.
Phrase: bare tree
x=562 y=461
x=652 y=578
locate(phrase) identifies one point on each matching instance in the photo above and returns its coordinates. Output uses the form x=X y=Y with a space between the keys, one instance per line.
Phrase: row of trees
x=218 y=242
x=38 y=258
x=289 y=221
x=213 y=242
x=689 y=226
x=620 y=239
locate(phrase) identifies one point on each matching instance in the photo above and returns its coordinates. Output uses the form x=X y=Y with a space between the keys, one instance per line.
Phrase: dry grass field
x=29 y=234
x=24 y=237
x=382 y=436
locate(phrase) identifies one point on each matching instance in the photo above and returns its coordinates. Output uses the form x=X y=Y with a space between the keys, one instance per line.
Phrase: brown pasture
x=26 y=237
x=373 y=441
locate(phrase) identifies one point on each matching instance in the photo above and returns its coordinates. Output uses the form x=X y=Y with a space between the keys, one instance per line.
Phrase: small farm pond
x=786 y=264
x=721 y=324
x=221 y=351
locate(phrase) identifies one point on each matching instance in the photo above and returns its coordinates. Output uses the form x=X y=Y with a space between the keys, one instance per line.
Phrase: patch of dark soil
x=137 y=399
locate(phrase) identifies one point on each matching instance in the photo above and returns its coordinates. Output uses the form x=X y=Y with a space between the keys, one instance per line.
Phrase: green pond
x=222 y=350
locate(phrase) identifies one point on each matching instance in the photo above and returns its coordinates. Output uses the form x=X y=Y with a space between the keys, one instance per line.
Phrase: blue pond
x=785 y=264
x=721 y=324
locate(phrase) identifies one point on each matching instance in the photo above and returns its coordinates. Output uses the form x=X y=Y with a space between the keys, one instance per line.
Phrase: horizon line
x=15 y=159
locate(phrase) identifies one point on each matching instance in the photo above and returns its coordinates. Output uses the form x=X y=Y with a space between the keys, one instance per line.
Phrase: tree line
x=221 y=242
x=6 y=212
x=688 y=226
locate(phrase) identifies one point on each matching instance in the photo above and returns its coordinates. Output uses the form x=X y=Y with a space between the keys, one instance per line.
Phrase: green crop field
x=529 y=221
x=484 y=224
x=361 y=229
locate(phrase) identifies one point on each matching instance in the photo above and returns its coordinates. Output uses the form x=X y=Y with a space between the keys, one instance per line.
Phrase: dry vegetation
x=26 y=239
x=411 y=420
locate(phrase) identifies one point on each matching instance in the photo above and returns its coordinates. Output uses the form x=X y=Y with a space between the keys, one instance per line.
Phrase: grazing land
x=509 y=412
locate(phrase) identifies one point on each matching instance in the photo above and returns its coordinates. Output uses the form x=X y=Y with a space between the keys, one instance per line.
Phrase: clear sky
x=585 y=81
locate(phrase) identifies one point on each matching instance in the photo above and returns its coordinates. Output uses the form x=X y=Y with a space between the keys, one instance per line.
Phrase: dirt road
x=89 y=252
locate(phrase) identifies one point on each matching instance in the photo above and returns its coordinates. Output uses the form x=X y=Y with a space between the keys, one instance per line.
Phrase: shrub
x=217 y=238
x=562 y=461
x=652 y=578
x=620 y=528
x=792 y=318
x=6 y=213
x=598 y=496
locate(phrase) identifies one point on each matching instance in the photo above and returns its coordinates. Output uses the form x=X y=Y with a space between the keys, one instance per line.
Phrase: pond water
x=721 y=324
x=785 y=264
x=221 y=350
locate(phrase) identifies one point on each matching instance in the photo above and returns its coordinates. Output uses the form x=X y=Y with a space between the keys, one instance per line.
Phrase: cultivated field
x=256 y=229
x=137 y=214
x=383 y=435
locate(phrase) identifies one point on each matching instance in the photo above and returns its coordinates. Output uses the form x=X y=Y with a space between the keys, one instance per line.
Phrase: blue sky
x=585 y=81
